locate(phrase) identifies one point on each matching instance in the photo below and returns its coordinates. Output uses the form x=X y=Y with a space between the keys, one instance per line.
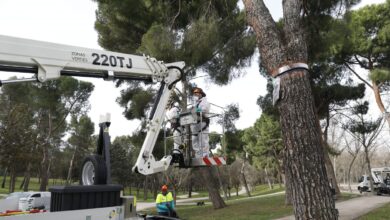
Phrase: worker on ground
x=200 y=131
x=165 y=204
x=173 y=118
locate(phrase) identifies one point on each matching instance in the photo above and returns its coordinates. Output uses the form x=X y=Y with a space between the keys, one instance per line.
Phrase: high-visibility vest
x=162 y=200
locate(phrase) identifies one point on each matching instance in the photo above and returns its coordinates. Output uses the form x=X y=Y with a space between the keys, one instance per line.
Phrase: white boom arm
x=50 y=61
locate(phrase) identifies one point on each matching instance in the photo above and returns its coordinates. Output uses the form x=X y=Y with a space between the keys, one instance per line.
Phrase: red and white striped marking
x=209 y=161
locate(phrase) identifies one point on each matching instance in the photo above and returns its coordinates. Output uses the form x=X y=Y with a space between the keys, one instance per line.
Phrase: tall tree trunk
x=69 y=178
x=189 y=182
x=349 y=173
x=44 y=167
x=212 y=187
x=12 y=180
x=22 y=183
x=190 y=188
x=280 y=179
x=330 y=173
x=278 y=167
x=155 y=186
x=45 y=163
x=248 y=193
x=288 y=196
x=146 y=188
x=328 y=163
x=27 y=176
x=367 y=156
x=268 y=179
x=221 y=184
x=4 y=178
x=303 y=152
x=138 y=189
x=304 y=155
x=378 y=100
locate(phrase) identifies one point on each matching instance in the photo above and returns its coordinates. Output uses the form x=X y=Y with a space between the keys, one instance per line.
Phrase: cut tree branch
x=268 y=36
x=357 y=75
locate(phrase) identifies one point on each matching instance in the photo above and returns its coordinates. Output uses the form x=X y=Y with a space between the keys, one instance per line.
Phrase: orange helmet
x=164 y=188
x=199 y=90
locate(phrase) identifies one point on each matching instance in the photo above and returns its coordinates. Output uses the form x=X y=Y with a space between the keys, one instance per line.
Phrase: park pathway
x=354 y=208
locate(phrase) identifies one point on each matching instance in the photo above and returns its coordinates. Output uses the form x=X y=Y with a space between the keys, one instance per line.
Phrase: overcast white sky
x=71 y=22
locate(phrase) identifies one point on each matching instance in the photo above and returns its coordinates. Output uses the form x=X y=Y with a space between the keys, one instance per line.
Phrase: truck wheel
x=94 y=171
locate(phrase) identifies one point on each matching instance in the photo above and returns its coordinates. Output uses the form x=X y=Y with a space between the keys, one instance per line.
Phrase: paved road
x=354 y=208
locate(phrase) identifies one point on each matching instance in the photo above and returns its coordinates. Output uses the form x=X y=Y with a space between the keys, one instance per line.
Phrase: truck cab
x=381 y=185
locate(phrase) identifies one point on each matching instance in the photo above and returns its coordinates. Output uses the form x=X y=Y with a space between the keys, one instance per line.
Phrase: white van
x=35 y=200
x=364 y=184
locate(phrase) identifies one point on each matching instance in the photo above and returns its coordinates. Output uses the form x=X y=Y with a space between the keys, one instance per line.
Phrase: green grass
x=197 y=195
x=255 y=208
x=347 y=196
x=270 y=207
x=140 y=198
x=264 y=189
x=378 y=214
x=257 y=191
x=33 y=185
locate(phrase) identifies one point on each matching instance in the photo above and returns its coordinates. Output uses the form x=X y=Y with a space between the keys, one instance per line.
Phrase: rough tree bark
x=146 y=188
x=328 y=163
x=242 y=171
x=367 y=158
x=212 y=187
x=268 y=179
x=378 y=100
x=288 y=198
x=221 y=184
x=189 y=182
x=303 y=152
x=349 y=173
x=69 y=178
x=45 y=159
x=4 y=178
x=27 y=176
x=156 y=186
x=44 y=168
x=12 y=180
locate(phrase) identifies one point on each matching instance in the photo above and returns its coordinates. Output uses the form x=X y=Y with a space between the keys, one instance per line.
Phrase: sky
x=71 y=22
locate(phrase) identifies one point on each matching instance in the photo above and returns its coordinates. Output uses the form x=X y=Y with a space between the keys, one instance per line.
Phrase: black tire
x=99 y=170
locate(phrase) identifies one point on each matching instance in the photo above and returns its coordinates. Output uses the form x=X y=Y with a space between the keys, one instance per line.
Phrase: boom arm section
x=146 y=163
x=50 y=61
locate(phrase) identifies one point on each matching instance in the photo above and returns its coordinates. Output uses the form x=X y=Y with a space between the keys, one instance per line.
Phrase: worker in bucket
x=200 y=131
x=173 y=114
x=165 y=204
